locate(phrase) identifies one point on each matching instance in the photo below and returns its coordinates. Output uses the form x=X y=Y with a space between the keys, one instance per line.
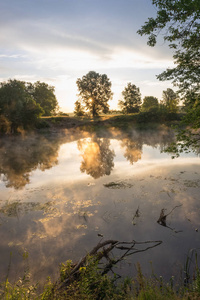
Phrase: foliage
x=42 y=124
x=157 y=115
x=5 y=125
x=78 y=110
x=180 y=21
x=170 y=100
x=22 y=289
x=18 y=109
x=149 y=103
x=43 y=94
x=91 y=284
x=95 y=92
x=60 y=113
x=132 y=99
x=22 y=103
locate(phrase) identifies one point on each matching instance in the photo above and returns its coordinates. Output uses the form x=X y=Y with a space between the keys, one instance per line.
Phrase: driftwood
x=103 y=250
x=136 y=215
x=163 y=218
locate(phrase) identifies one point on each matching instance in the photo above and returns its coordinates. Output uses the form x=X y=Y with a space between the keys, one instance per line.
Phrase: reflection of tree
x=97 y=157
x=133 y=149
x=133 y=141
x=19 y=156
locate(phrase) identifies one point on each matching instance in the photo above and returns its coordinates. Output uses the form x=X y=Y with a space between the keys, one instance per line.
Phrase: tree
x=43 y=94
x=181 y=22
x=17 y=106
x=78 y=110
x=132 y=99
x=149 y=103
x=170 y=100
x=95 y=92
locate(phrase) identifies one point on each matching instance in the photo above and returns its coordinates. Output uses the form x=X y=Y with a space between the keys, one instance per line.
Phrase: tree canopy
x=17 y=106
x=149 y=103
x=22 y=103
x=180 y=23
x=44 y=95
x=95 y=92
x=132 y=99
x=170 y=100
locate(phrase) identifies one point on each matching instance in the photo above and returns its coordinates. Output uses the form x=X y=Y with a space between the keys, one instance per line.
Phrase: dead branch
x=163 y=218
x=103 y=250
x=137 y=215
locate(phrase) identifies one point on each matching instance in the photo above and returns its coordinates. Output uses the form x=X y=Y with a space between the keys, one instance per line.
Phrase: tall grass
x=90 y=284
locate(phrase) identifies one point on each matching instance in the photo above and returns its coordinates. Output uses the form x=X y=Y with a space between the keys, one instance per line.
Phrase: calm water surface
x=58 y=192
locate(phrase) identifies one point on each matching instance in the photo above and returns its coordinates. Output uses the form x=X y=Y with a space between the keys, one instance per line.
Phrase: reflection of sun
x=91 y=154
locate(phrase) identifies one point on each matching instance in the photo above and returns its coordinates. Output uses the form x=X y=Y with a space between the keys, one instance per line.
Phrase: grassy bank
x=139 y=120
x=89 y=283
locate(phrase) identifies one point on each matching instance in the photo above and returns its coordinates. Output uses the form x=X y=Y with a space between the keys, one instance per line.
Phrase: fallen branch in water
x=163 y=218
x=103 y=250
x=137 y=215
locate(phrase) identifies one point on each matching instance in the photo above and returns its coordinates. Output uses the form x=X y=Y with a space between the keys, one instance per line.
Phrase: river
x=62 y=193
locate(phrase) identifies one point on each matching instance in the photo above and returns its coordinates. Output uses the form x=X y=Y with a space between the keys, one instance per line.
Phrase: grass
x=91 y=284
x=140 y=120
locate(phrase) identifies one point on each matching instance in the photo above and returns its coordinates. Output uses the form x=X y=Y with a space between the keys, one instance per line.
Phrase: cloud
x=56 y=39
x=98 y=27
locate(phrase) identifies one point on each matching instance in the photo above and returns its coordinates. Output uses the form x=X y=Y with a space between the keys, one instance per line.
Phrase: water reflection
x=133 y=150
x=18 y=209
x=20 y=156
x=97 y=157
x=58 y=217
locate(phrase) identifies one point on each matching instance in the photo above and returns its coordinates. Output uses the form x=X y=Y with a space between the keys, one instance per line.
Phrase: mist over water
x=59 y=192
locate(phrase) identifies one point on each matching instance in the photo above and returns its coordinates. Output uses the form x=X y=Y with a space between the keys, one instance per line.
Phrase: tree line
x=22 y=103
x=95 y=92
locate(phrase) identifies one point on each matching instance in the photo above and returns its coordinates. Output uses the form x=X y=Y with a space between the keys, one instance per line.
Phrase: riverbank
x=140 y=120
x=90 y=283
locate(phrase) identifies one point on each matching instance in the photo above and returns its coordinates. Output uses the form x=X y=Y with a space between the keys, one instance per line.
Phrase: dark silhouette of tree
x=95 y=92
x=97 y=157
x=78 y=110
x=150 y=103
x=17 y=106
x=170 y=100
x=132 y=99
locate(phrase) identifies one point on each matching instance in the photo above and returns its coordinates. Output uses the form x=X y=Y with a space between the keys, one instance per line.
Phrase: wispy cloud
x=57 y=39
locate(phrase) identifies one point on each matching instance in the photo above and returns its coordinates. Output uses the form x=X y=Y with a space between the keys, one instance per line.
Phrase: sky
x=58 y=41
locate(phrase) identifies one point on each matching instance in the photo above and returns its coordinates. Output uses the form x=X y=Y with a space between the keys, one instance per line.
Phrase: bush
x=42 y=124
